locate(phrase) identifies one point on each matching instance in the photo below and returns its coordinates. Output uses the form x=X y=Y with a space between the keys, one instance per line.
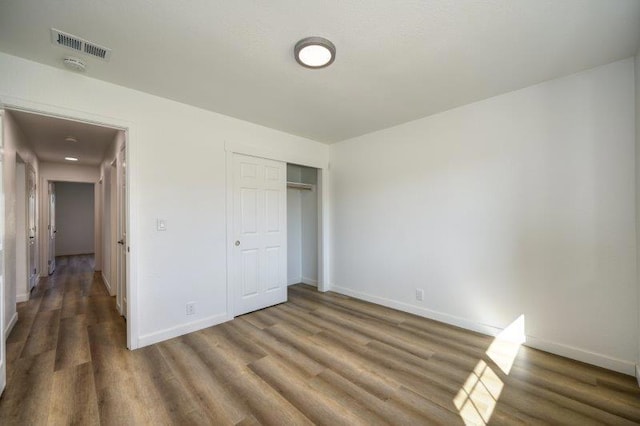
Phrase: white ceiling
x=397 y=60
x=47 y=138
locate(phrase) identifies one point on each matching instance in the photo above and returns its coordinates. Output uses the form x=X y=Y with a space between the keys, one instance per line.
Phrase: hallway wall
x=74 y=218
x=15 y=142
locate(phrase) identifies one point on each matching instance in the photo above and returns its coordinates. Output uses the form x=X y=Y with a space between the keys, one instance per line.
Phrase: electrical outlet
x=419 y=294
x=191 y=308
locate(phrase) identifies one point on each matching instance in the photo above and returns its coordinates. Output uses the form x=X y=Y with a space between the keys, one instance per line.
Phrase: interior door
x=31 y=218
x=259 y=276
x=3 y=351
x=52 y=228
x=122 y=231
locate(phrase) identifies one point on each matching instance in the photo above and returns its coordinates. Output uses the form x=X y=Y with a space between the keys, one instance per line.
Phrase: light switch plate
x=161 y=225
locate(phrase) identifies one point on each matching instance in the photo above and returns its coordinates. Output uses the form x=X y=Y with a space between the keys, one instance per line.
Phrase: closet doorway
x=302 y=225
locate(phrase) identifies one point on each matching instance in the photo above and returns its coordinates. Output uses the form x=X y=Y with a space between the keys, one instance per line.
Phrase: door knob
x=121 y=242
x=237 y=243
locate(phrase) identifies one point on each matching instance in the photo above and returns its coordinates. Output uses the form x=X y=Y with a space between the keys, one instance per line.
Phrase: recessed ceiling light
x=70 y=139
x=75 y=64
x=315 y=52
x=71 y=158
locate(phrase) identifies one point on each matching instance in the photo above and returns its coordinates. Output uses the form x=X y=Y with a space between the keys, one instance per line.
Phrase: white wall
x=15 y=143
x=177 y=169
x=309 y=227
x=302 y=227
x=518 y=204
x=74 y=218
x=60 y=172
x=294 y=236
x=22 y=280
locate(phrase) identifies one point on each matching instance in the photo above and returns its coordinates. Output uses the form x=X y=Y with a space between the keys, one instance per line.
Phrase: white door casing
x=52 y=228
x=259 y=239
x=3 y=350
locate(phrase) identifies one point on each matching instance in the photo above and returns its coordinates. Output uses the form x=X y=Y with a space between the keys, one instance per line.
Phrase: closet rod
x=297 y=185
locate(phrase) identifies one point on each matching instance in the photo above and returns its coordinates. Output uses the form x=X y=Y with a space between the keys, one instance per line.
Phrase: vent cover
x=78 y=44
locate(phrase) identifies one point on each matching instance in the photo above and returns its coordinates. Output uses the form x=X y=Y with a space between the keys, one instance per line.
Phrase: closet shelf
x=298 y=185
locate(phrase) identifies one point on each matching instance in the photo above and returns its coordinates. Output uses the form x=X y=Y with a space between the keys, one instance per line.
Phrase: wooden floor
x=319 y=358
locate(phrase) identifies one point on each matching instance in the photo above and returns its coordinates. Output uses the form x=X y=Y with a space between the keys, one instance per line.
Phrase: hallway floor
x=69 y=321
x=320 y=358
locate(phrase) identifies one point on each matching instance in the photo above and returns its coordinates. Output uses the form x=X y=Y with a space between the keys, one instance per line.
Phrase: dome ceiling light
x=315 y=52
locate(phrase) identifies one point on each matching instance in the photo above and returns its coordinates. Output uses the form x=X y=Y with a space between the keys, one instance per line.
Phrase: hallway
x=66 y=328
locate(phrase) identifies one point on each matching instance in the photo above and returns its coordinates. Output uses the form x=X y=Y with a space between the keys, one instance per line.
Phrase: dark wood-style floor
x=319 y=358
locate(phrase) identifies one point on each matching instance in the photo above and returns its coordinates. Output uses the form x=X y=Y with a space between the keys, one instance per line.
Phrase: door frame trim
x=131 y=132
x=286 y=156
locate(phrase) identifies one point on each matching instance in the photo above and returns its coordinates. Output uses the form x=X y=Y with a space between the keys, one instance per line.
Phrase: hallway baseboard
x=309 y=281
x=22 y=298
x=107 y=285
x=12 y=323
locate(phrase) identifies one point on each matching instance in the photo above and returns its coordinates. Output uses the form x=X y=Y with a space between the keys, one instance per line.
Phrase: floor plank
x=74 y=398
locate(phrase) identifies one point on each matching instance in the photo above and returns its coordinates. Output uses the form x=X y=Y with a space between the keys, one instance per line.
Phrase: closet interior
x=302 y=225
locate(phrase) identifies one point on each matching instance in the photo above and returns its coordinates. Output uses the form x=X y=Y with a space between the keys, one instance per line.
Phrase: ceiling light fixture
x=315 y=52
x=71 y=158
x=75 y=64
x=70 y=139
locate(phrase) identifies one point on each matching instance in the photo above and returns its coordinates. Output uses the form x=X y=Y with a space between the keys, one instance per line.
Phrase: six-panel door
x=260 y=238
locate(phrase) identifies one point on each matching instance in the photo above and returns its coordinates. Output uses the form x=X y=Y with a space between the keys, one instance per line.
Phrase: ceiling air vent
x=78 y=44
x=92 y=49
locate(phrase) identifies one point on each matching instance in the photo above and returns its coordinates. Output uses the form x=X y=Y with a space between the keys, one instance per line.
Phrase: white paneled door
x=122 y=232
x=259 y=275
x=31 y=207
x=52 y=228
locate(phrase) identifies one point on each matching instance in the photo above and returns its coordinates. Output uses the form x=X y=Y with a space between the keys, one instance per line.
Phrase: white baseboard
x=594 y=358
x=309 y=281
x=9 y=327
x=423 y=312
x=107 y=285
x=292 y=281
x=22 y=298
x=600 y=360
x=179 y=330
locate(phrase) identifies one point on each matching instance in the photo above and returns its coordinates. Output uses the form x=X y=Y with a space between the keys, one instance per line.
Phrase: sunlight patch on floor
x=477 y=398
